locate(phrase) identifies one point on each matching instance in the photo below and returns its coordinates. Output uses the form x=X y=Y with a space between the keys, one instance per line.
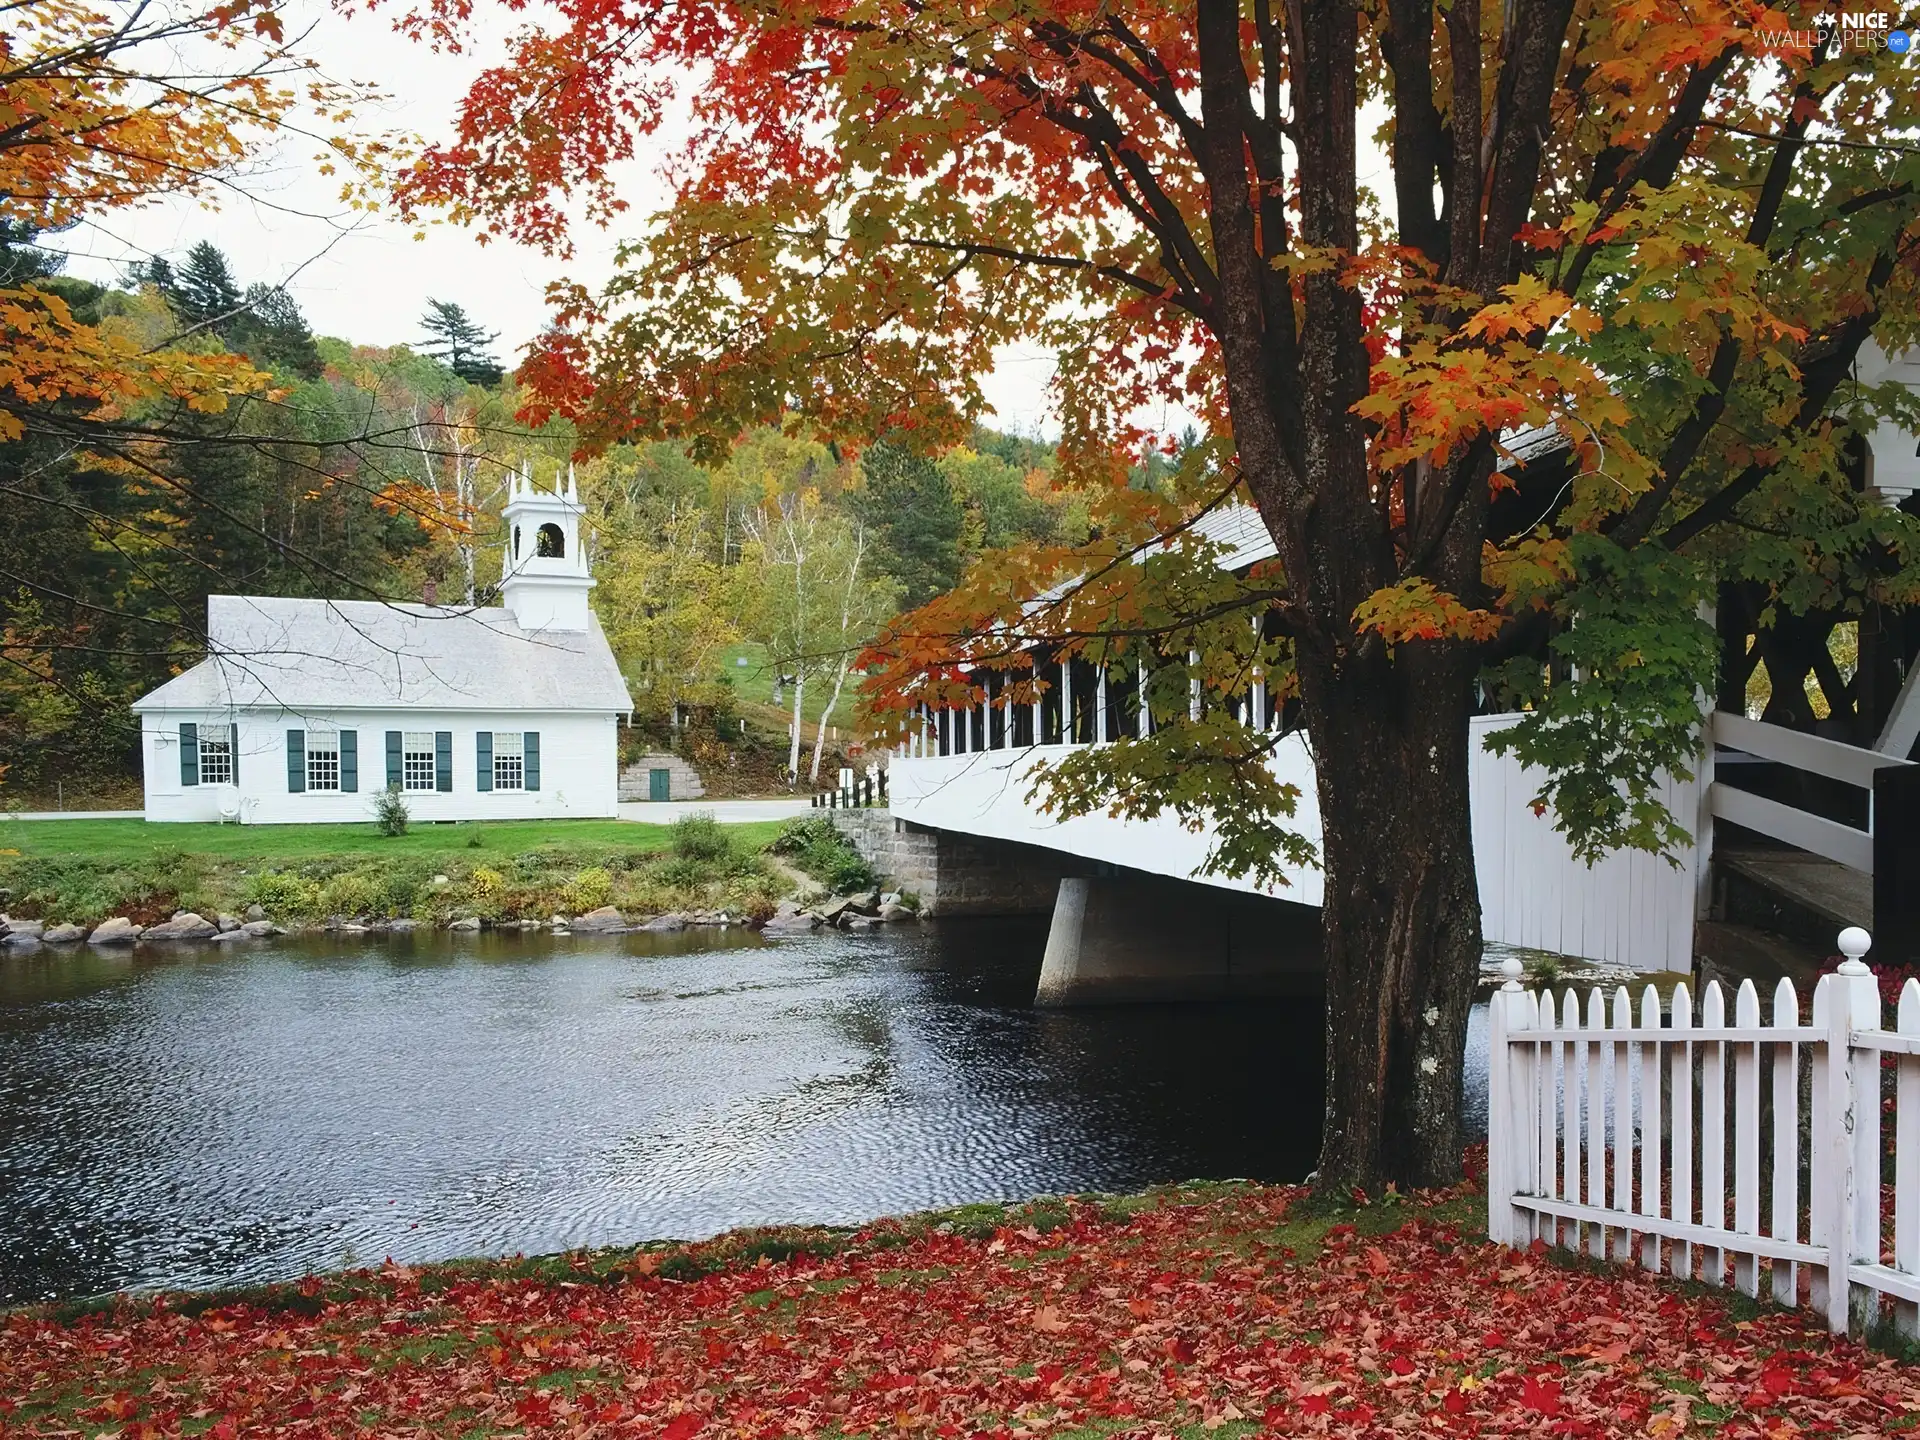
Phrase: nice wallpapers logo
x=1846 y=30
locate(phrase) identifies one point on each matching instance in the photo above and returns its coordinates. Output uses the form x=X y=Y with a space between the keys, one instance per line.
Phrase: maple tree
x=105 y=108
x=1659 y=233
x=1186 y=1311
x=133 y=435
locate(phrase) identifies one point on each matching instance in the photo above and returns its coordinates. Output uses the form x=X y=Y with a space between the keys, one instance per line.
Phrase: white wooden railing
x=1849 y=764
x=1712 y=1150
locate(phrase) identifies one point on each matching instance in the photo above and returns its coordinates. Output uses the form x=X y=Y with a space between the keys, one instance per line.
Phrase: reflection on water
x=194 y=1117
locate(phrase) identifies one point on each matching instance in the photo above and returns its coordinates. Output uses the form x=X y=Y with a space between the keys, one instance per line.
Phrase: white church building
x=304 y=710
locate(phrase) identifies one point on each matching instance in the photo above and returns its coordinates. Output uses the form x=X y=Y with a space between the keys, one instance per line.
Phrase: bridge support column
x=1143 y=938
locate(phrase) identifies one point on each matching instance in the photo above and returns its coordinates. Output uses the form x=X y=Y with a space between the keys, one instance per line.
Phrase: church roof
x=309 y=655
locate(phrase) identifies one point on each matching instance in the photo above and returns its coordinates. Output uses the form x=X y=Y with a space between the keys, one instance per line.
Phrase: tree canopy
x=458 y=342
x=1659 y=233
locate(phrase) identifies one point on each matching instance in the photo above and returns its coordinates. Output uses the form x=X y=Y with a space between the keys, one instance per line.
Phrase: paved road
x=727 y=812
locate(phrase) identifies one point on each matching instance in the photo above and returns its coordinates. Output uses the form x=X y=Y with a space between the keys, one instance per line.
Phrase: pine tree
x=157 y=272
x=460 y=344
x=21 y=261
x=205 y=292
x=911 y=506
x=273 y=333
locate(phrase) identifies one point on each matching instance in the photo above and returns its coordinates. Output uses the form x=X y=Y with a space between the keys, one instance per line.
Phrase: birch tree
x=812 y=606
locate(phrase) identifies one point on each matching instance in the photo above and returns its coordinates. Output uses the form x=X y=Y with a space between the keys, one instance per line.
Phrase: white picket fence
x=1717 y=1151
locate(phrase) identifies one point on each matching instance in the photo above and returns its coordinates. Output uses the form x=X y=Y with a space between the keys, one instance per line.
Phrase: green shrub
x=588 y=890
x=752 y=899
x=280 y=893
x=45 y=888
x=354 y=893
x=701 y=837
x=429 y=901
x=390 y=813
x=681 y=873
x=398 y=885
x=817 y=847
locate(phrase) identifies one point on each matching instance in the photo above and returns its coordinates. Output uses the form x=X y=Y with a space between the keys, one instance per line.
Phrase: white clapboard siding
x=1630 y=908
x=1576 y=1100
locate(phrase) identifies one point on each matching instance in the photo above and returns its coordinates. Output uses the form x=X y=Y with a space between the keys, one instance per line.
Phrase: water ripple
x=211 y=1118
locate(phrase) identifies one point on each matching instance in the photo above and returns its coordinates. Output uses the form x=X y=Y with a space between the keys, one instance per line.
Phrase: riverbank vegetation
x=816 y=845
x=1220 y=1309
x=83 y=871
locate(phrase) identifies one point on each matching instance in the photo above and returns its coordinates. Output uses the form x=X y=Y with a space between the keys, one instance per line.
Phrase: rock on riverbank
x=189 y=927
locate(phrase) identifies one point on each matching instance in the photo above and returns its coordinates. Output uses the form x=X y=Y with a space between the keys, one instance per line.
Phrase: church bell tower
x=545 y=580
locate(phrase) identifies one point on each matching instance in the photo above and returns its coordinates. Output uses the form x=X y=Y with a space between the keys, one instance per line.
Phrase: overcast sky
x=368 y=280
x=369 y=284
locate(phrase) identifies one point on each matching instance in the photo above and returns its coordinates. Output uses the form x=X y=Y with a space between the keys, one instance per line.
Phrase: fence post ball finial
x=1510 y=968
x=1854 y=942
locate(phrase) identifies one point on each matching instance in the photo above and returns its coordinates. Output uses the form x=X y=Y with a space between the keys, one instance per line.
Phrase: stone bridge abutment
x=1117 y=935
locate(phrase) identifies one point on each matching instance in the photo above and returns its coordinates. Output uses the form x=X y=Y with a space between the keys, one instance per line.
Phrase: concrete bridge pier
x=1133 y=937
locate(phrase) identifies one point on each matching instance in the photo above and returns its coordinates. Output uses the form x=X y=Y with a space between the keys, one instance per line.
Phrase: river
x=197 y=1117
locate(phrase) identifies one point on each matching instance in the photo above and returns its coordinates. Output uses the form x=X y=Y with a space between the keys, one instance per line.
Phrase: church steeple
x=545 y=580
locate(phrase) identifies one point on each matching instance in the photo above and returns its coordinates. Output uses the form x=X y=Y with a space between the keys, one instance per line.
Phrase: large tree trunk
x=1389 y=723
x=1401 y=918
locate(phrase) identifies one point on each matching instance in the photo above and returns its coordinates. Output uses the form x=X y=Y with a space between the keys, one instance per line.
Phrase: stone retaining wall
x=955 y=874
x=635 y=779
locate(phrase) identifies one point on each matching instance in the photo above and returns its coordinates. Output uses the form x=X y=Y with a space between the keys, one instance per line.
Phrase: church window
x=417 y=762
x=549 y=543
x=323 y=759
x=216 y=758
x=509 y=761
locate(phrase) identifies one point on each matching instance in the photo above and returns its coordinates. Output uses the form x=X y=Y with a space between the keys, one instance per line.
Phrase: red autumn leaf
x=1541 y=1394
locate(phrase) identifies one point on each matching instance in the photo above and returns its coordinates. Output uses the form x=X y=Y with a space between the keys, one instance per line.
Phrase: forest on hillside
x=378 y=472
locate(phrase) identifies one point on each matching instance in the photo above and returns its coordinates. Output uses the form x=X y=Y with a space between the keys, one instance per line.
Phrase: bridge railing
x=1749 y=1153
x=855 y=791
x=1850 y=765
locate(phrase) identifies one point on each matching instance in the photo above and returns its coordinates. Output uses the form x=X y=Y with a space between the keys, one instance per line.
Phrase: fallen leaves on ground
x=1195 y=1312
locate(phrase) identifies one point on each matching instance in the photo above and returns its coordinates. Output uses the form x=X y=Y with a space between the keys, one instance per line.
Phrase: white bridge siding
x=985 y=793
x=1630 y=909
x=579 y=766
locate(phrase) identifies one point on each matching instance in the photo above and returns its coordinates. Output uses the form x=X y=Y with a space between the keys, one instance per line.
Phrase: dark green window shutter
x=189 y=753
x=443 y=761
x=296 y=762
x=233 y=749
x=349 y=760
x=396 y=769
x=532 y=742
x=483 y=760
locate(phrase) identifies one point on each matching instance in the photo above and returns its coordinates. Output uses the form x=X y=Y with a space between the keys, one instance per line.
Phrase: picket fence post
x=1509 y=1105
x=1854 y=1092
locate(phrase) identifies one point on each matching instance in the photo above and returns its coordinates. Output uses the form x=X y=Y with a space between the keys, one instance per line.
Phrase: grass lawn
x=135 y=840
x=753 y=684
x=1192 y=1312
x=87 y=870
